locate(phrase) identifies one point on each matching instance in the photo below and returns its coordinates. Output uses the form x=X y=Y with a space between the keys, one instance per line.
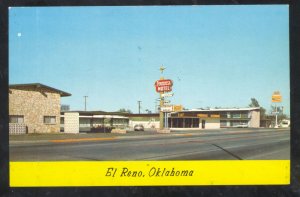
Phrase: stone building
x=34 y=108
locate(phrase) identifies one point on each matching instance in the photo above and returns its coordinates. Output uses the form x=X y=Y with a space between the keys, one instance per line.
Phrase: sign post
x=276 y=98
x=163 y=86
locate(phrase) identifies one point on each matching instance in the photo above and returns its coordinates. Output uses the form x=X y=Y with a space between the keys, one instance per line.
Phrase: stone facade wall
x=71 y=122
x=255 y=119
x=34 y=104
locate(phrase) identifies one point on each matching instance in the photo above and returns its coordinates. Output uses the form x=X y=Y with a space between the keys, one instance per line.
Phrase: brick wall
x=34 y=104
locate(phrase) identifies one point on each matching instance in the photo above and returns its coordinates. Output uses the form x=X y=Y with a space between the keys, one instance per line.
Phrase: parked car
x=242 y=125
x=284 y=123
x=138 y=127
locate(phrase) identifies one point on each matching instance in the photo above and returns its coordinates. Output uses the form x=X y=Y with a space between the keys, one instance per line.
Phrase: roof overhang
x=39 y=85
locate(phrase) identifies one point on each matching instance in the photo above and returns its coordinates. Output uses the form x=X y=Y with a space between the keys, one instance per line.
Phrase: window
x=49 y=119
x=16 y=119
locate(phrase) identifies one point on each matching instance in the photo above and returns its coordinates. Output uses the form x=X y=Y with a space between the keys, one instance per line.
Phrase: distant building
x=65 y=108
x=34 y=108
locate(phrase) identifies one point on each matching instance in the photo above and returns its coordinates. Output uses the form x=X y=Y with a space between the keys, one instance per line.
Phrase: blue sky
x=217 y=56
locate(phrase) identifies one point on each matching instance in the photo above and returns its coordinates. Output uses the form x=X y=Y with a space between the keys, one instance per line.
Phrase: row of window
x=234 y=115
x=224 y=123
x=20 y=119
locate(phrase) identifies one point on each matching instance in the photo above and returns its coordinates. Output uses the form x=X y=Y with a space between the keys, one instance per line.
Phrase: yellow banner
x=149 y=173
x=177 y=108
x=202 y=115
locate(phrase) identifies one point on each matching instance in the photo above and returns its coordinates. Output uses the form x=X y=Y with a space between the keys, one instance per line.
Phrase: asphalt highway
x=223 y=144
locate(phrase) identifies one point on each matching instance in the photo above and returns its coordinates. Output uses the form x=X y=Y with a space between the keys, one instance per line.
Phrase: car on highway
x=284 y=123
x=242 y=125
x=138 y=127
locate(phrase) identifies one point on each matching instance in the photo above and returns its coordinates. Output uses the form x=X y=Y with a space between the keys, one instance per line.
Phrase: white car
x=242 y=125
x=284 y=123
x=138 y=127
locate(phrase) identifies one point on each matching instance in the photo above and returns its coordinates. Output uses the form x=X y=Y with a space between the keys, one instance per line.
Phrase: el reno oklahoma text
x=152 y=172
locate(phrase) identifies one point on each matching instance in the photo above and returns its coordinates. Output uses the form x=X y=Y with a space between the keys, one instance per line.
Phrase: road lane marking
x=82 y=140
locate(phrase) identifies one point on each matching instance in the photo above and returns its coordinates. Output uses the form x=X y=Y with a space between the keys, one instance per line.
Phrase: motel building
x=92 y=121
x=106 y=122
x=101 y=121
x=215 y=118
x=34 y=108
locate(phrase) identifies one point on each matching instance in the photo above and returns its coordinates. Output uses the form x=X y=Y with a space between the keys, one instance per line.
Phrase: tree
x=280 y=115
x=123 y=110
x=254 y=103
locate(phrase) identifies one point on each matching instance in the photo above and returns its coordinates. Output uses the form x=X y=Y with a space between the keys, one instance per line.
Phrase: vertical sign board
x=162 y=86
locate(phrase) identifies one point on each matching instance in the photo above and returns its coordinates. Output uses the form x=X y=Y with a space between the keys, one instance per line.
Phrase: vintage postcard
x=149 y=95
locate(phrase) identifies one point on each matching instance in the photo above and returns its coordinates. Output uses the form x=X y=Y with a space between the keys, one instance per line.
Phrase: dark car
x=138 y=127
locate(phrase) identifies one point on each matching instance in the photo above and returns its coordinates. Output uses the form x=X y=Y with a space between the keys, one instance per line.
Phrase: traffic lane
x=244 y=144
x=143 y=142
x=119 y=140
x=271 y=151
x=129 y=150
x=118 y=143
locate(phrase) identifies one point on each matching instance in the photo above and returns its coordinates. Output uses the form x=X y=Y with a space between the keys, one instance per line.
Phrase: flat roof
x=223 y=109
x=39 y=85
x=88 y=113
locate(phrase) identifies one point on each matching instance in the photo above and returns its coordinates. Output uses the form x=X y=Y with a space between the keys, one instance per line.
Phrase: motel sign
x=163 y=85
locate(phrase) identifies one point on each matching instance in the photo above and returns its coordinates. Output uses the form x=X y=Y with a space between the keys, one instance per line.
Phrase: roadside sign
x=166 y=108
x=177 y=108
x=275 y=113
x=276 y=97
x=163 y=89
x=167 y=94
x=163 y=85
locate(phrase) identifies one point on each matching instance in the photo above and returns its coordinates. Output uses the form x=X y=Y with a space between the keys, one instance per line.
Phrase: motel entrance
x=183 y=122
x=194 y=119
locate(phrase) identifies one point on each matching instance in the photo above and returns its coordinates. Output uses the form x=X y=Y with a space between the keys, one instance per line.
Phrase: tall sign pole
x=276 y=98
x=161 y=102
x=163 y=86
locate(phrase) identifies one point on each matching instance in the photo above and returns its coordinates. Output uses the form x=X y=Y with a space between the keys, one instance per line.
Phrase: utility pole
x=85 y=102
x=139 y=103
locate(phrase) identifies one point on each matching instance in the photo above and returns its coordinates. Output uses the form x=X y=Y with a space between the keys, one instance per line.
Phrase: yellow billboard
x=177 y=108
x=276 y=97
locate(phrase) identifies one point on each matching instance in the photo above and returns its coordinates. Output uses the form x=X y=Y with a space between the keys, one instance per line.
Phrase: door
x=203 y=124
